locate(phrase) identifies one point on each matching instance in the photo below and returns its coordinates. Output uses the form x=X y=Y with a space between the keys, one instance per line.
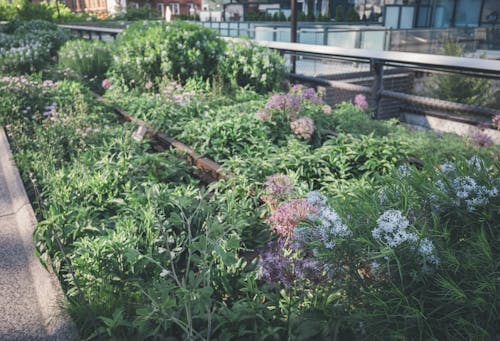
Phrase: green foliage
x=462 y=89
x=246 y=64
x=339 y=13
x=27 y=10
x=179 y=50
x=134 y=13
x=90 y=60
x=28 y=46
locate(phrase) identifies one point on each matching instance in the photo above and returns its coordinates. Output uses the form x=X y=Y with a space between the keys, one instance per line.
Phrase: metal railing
x=375 y=62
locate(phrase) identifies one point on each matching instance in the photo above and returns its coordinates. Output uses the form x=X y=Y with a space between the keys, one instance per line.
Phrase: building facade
x=434 y=13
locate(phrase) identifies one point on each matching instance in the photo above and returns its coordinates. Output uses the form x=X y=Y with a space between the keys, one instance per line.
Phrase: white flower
x=161 y=250
x=391 y=229
x=164 y=273
x=447 y=168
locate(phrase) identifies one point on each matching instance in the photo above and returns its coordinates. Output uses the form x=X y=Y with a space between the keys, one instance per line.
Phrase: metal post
x=293 y=33
x=377 y=69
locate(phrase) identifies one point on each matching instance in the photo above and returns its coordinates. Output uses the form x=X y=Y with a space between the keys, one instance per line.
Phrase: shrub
x=246 y=64
x=89 y=59
x=178 y=51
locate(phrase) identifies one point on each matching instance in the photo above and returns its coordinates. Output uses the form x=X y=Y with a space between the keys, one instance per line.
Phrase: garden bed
x=312 y=236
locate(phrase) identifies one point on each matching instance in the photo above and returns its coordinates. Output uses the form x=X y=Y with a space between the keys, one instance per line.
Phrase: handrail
x=93 y=29
x=465 y=65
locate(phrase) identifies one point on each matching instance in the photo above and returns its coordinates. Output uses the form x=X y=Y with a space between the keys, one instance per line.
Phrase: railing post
x=377 y=69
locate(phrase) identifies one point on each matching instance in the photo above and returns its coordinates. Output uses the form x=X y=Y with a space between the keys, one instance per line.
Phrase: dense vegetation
x=327 y=227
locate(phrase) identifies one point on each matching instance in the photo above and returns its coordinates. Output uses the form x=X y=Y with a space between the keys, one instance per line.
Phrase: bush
x=462 y=89
x=148 y=52
x=246 y=64
x=89 y=59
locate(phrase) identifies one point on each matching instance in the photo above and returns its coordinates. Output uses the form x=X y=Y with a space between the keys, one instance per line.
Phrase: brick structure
x=177 y=7
x=94 y=6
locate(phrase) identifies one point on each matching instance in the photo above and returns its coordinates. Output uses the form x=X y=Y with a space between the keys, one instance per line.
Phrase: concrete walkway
x=30 y=297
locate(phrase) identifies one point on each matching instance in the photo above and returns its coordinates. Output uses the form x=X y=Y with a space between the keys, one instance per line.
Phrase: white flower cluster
x=391 y=229
x=330 y=225
x=428 y=252
x=466 y=190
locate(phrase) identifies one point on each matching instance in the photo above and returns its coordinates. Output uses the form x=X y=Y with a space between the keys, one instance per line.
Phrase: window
x=176 y=8
x=443 y=13
x=161 y=9
x=491 y=12
x=467 y=13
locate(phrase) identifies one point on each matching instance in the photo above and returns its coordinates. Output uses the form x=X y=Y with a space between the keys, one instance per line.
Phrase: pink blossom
x=303 y=127
x=327 y=109
x=278 y=186
x=285 y=217
x=148 y=85
x=264 y=115
x=360 y=102
x=106 y=84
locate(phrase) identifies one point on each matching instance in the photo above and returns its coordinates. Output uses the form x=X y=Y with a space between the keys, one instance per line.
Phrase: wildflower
x=326 y=109
x=391 y=229
x=106 y=84
x=404 y=171
x=360 y=102
x=467 y=191
x=50 y=109
x=285 y=217
x=164 y=273
x=148 y=85
x=278 y=187
x=476 y=162
x=264 y=115
x=447 y=168
x=303 y=127
x=496 y=121
x=280 y=264
x=481 y=139
x=288 y=103
x=310 y=95
x=161 y=250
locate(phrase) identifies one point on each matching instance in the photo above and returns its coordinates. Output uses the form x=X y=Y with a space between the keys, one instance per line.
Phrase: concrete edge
x=58 y=324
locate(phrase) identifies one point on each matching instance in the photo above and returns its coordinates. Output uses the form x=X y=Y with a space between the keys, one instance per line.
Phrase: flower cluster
x=280 y=264
x=481 y=139
x=106 y=84
x=287 y=216
x=360 y=102
x=175 y=93
x=303 y=127
x=466 y=190
x=287 y=103
x=328 y=225
x=278 y=188
x=326 y=109
x=391 y=229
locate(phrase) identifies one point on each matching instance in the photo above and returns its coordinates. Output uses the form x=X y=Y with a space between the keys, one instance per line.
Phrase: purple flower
x=288 y=103
x=278 y=187
x=481 y=140
x=264 y=115
x=310 y=94
x=285 y=217
x=303 y=127
x=281 y=264
x=360 y=102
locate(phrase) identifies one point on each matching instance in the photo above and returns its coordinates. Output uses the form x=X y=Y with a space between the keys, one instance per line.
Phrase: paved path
x=30 y=297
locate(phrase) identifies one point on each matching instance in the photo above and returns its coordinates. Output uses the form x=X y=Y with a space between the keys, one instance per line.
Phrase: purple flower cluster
x=278 y=187
x=288 y=103
x=360 y=102
x=496 y=121
x=285 y=217
x=481 y=139
x=309 y=94
x=303 y=127
x=264 y=115
x=279 y=264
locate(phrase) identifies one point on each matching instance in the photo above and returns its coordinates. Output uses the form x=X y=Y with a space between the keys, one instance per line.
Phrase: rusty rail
x=208 y=170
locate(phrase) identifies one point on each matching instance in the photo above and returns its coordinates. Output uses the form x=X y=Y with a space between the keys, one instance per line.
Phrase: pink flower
x=360 y=102
x=303 y=127
x=148 y=85
x=278 y=187
x=106 y=84
x=481 y=140
x=285 y=217
x=327 y=109
x=264 y=115
x=496 y=121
